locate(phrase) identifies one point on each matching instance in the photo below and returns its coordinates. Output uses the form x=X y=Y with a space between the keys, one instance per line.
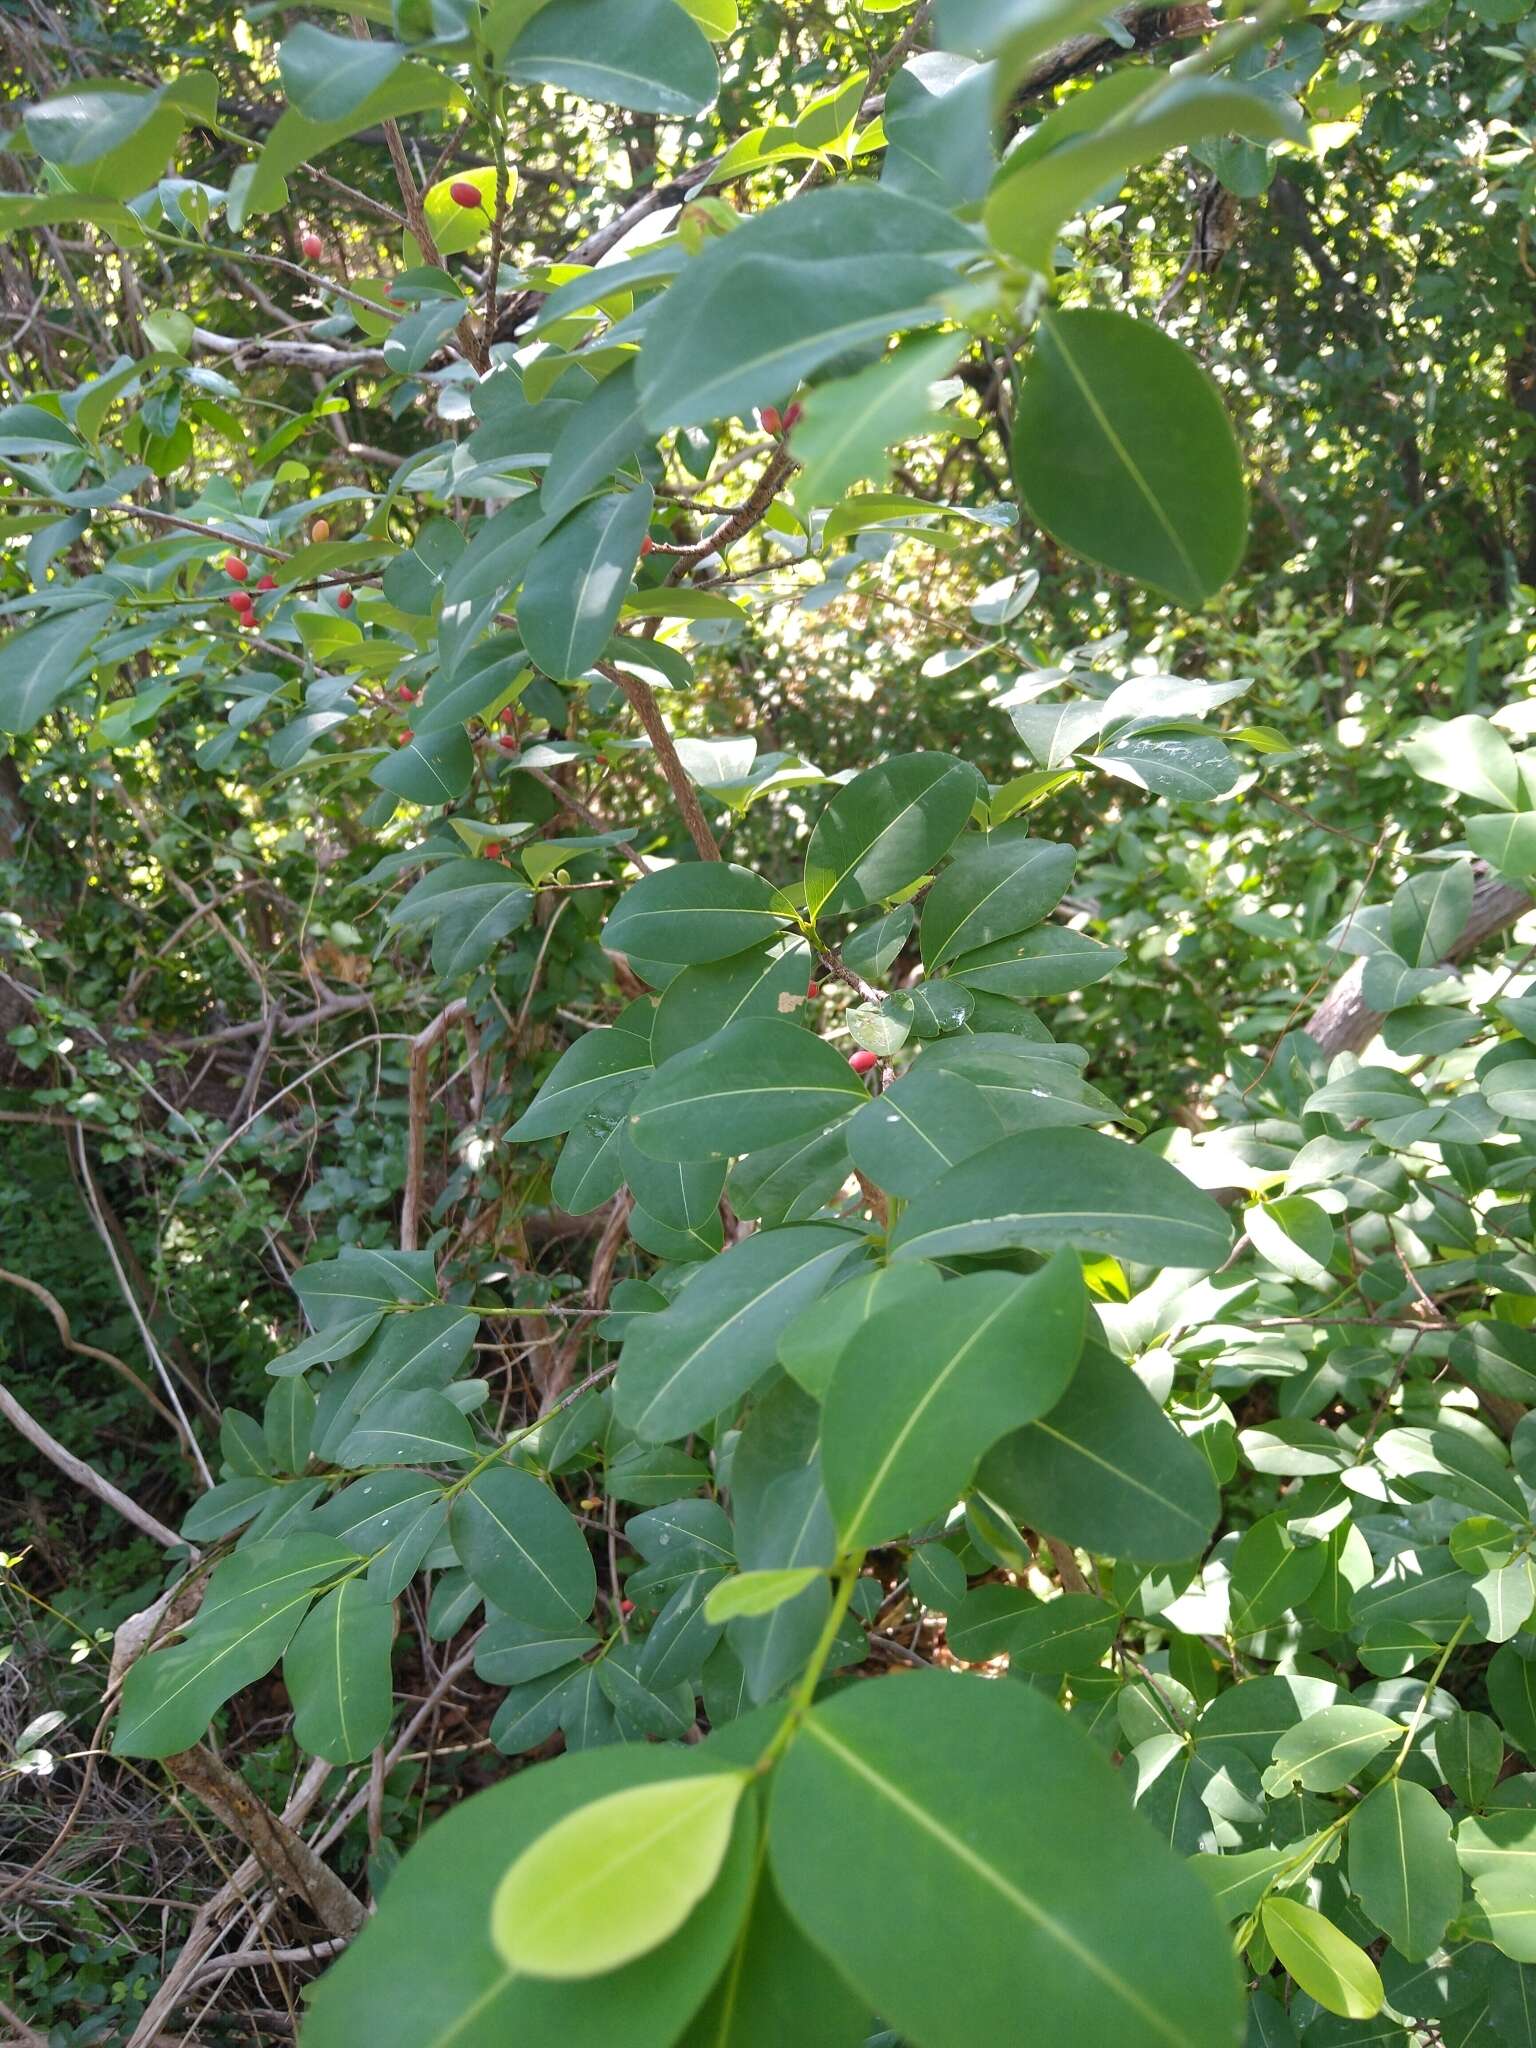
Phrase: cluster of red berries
x=241 y=601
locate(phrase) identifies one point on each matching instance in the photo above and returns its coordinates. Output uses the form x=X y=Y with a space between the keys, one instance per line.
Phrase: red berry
x=235 y=569
x=239 y=601
x=312 y=246
x=793 y=416
x=343 y=599
x=862 y=1060
x=626 y=1607
x=772 y=419
x=812 y=991
x=493 y=849
x=406 y=736
x=406 y=694
x=509 y=745
x=509 y=715
x=267 y=583
x=646 y=545
x=462 y=193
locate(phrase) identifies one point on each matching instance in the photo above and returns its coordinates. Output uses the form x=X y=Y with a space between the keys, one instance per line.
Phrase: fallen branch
x=84 y=1475
x=289 y=1863
x=70 y=1342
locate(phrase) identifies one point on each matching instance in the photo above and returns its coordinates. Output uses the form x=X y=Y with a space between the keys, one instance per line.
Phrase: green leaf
x=644 y=54
x=1011 y=32
x=1507 y=841
x=583 y=1075
x=1402 y=1866
x=763 y=982
x=1070 y=1633
x=1326 y=1964
x=754 y=1593
x=1106 y=1469
x=930 y=1120
x=523 y=1548
x=327 y=76
x=425 y=1970
x=1328 y=1749
x=792 y=288
x=418 y=1427
x=681 y=1366
x=924 y=1389
x=886 y=829
x=1063 y=1905
x=288 y=1423
x=1465 y=754
x=1045 y=1189
x=1047 y=182
x=852 y=424
x=811 y=1346
x=511 y=1652
x=695 y=912
x=995 y=886
x=1123 y=452
x=1498 y=1853
x=757 y=1082
x=170 y=1696
x=1511 y=1682
x=337 y=1673
x=112 y=142
x=1049 y=961
x=613 y=1880
x=411 y=88
x=682 y=1195
x=577 y=581
x=41 y=664
x=1271 y=1575
x=605 y=433
x=778 y=1987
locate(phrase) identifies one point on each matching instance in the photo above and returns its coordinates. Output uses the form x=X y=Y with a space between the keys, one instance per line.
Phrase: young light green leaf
x=1326 y=1964
x=614 y=1879
x=753 y=1593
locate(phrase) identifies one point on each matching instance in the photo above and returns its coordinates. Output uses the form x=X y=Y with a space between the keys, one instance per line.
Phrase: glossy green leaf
x=1062 y=1905
x=852 y=424
x=577 y=581
x=419 y=1427
x=1325 y=1963
x=1329 y=1748
x=1105 y=1468
x=523 y=1548
x=695 y=912
x=410 y=88
x=325 y=76
x=337 y=1673
x=1402 y=1866
x=170 y=1696
x=886 y=828
x=909 y=1134
x=645 y=54
x=924 y=1389
x=760 y=1081
x=1123 y=452
x=41 y=664
x=768 y=981
x=682 y=1366
x=1043 y=1190
x=996 y=886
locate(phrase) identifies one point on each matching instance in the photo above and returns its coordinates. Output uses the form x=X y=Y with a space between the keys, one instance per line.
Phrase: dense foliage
x=767 y=1047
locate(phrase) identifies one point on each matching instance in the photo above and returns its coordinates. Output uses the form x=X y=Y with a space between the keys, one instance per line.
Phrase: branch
x=643 y=703
x=67 y=1338
x=293 y=355
x=1343 y=1023
x=84 y=1475
x=741 y=521
x=290 y=1864
x=420 y=1109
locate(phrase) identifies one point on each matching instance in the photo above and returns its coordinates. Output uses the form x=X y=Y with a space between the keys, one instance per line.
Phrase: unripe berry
x=343 y=599
x=862 y=1060
x=462 y=193
x=235 y=569
x=320 y=531
x=267 y=583
x=312 y=246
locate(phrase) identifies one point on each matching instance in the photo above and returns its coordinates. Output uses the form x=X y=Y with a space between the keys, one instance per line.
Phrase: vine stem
x=800 y=1699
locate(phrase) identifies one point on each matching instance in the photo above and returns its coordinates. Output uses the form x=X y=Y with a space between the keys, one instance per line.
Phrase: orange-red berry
x=312 y=246
x=320 y=531
x=862 y=1060
x=646 y=545
x=235 y=569
x=812 y=991
x=493 y=849
x=343 y=599
x=267 y=583
x=508 y=744
x=406 y=736
x=406 y=694
x=794 y=415
x=772 y=419
x=462 y=193
x=239 y=601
